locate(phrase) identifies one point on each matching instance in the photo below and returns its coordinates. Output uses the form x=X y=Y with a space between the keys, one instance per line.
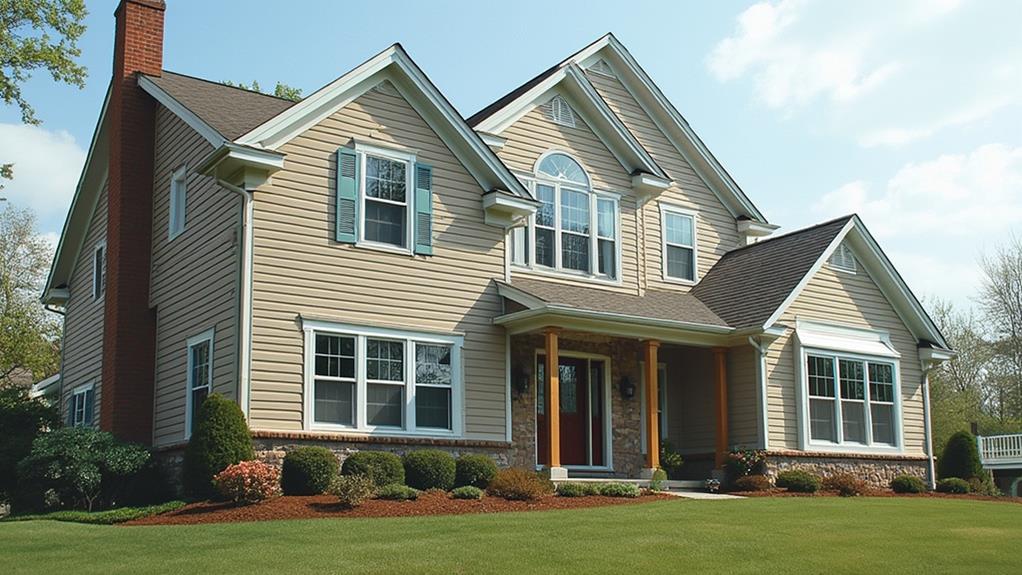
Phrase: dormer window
x=843 y=259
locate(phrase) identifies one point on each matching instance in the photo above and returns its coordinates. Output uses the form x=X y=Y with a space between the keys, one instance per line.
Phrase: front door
x=581 y=411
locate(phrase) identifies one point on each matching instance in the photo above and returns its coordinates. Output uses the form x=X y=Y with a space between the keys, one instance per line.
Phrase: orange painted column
x=650 y=348
x=720 y=396
x=553 y=397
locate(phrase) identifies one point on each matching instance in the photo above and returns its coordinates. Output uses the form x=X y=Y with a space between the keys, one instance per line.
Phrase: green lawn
x=819 y=535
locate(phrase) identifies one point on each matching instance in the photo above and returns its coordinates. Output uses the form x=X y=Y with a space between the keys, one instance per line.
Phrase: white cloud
x=46 y=169
x=976 y=112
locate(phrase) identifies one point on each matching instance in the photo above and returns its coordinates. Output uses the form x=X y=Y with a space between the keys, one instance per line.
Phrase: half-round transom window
x=562 y=167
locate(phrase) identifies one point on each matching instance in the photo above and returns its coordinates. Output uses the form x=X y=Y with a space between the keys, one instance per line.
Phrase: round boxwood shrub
x=308 y=471
x=619 y=490
x=908 y=484
x=953 y=485
x=382 y=467
x=467 y=492
x=752 y=483
x=799 y=481
x=397 y=492
x=221 y=438
x=578 y=489
x=430 y=469
x=475 y=470
x=960 y=458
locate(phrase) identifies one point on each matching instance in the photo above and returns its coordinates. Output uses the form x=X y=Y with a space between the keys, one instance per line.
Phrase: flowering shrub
x=745 y=462
x=248 y=482
x=712 y=485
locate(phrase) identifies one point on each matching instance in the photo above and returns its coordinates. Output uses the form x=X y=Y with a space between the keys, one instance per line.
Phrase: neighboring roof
x=747 y=285
x=230 y=111
x=46 y=386
x=655 y=304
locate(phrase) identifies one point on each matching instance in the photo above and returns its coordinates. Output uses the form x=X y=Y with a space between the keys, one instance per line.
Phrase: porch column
x=553 y=405
x=720 y=397
x=650 y=348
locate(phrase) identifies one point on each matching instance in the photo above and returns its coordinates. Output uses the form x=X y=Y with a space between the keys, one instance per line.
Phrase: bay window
x=851 y=400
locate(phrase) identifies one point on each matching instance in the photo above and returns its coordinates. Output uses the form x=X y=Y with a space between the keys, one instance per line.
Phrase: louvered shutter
x=423 y=209
x=71 y=410
x=347 y=195
x=89 y=398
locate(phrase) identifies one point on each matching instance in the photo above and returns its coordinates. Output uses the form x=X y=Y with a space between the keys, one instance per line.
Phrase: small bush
x=984 y=485
x=382 y=467
x=475 y=470
x=397 y=492
x=308 y=471
x=908 y=484
x=352 y=490
x=960 y=458
x=519 y=484
x=620 y=490
x=670 y=460
x=248 y=482
x=430 y=469
x=221 y=439
x=744 y=462
x=108 y=517
x=656 y=483
x=953 y=485
x=753 y=483
x=846 y=485
x=578 y=489
x=22 y=419
x=798 y=481
x=467 y=492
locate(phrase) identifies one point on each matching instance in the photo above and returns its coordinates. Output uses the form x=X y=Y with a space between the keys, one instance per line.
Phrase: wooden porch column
x=720 y=396
x=553 y=399
x=650 y=348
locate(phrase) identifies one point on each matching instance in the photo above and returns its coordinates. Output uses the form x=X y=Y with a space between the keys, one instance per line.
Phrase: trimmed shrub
x=248 y=482
x=908 y=484
x=953 y=485
x=519 y=484
x=984 y=485
x=798 y=481
x=22 y=419
x=308 y=471
x=221 y=439
x=382 y=467
x=656 y=483
x=467 y=492
x=846 y=484
x=753 y=483
x=352 y=490
x=475 y=470
x=620 y=490
x=960 y=458
x=578 y=489
x=430 y=469
x=397 y=492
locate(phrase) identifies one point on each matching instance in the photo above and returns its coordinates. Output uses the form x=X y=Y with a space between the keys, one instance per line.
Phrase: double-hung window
x=575 y=229
x=678 y=231
x=80 y=408
x=851 y=400
x=385 y=199
x=99 y=270
x=200 y=377
x=382 y=381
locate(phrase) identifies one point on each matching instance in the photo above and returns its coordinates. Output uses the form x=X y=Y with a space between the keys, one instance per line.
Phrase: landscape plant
x=628 y=490
x=960 y=458
x=846 y=484
x=308 y=471
x=908 y=484
x=753 y=483
x=397 y=492
x=798 y=481
x=382 y=467
x=953 y=485
x=430 y=469
x=578 y=489
x=474 y=469
x=519 y=484
x=22 y=419
x=248 y=482
x=221 y=439
x=352 y=490
x=467 y=492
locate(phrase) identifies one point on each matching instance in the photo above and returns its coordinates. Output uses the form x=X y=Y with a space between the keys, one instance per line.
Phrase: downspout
x=761 y=373
x=927 y=367
x=245 y=311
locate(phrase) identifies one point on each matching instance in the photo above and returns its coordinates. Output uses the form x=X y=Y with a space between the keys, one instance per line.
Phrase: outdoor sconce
x=520 y=377
x=627 y=388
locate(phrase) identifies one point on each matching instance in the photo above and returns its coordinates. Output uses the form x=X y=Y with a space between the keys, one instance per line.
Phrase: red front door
x=581 y=421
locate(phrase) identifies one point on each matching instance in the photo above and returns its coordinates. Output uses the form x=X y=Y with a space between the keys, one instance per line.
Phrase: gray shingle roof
x=748 y=284
x=655 y=304
x=231 y=111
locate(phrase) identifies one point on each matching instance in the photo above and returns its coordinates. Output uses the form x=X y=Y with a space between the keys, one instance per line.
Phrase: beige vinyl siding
x=716 y=227
x=194 y=276
x=82 y=355
x=853 y=300
x=533 y=135
x=743 y=397
x=300 y=270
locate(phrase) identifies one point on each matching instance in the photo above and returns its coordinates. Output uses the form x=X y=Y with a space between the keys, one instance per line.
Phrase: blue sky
x=909 y=113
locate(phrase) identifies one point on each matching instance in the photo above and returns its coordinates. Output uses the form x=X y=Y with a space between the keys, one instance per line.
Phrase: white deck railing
x=1000 y=450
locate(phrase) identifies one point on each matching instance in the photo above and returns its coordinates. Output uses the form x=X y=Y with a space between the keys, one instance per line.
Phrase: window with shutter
x=347 y=195
x=423 y=209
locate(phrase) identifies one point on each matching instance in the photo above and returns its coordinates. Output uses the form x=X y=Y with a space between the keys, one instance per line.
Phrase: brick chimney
x=129 y=329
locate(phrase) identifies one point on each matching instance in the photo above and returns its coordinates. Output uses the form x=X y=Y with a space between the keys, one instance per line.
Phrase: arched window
x=575 y=229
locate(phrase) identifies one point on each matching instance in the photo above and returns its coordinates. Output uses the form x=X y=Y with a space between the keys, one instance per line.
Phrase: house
x=566 y=279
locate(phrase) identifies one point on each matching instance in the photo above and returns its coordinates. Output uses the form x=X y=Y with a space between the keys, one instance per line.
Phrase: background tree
x=281 y=90
x=28 y=334
x=1001 y=301
x=957 y=386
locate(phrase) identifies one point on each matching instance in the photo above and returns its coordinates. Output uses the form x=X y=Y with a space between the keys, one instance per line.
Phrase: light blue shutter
x=347 y=195
x=423 y=209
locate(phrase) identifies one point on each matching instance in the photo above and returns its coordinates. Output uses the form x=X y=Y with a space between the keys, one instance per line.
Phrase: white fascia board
x=187 y=116
x=492 y=140
x=756 y=229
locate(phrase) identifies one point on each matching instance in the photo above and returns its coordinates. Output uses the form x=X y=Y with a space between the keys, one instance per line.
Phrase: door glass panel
x=568 y=388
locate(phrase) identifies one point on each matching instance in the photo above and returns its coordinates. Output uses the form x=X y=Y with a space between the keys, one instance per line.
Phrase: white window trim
x=410 y=338
x=82 y=390
x=806 y=443
x=206 y=336
x=363 y=149
x=99 y=286
x=665 y=209
x=177 y=221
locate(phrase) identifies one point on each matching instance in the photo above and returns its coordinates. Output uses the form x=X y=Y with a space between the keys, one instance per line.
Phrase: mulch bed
x=775 y=492
x=318 y=506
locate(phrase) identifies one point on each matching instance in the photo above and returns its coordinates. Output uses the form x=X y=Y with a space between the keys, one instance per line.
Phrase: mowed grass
x=794 y=535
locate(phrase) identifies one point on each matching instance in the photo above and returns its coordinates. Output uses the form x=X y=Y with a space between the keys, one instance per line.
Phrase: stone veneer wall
x=626 y=422
x=878 y=471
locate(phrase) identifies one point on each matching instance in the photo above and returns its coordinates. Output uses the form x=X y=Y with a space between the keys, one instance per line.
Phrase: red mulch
x=429 y=503
x=776 y=492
